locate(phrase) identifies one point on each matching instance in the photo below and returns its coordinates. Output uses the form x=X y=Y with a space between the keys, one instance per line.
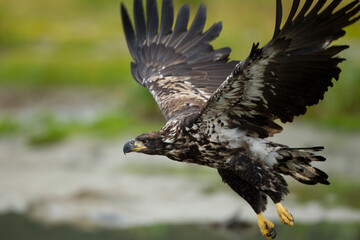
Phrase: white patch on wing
x=242 y=93
x=175 y=93
x=233 y=137
x=169 y=140
x=262 y=151
x=195 y=127
x=253 y=88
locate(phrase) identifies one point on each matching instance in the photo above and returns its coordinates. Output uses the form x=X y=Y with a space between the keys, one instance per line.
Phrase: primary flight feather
x=219 y=112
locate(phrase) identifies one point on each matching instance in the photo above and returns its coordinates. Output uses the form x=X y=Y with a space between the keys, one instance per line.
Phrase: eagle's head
x=149 y=143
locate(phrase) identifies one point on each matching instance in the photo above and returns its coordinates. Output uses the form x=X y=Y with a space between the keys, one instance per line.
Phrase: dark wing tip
x=139 y=18
x=278 y=18
x=293 y=10
x=152 y=19
x=128 y=29
x=202 y=7
x=182 y=19
x=199 y=21
x=167 y=17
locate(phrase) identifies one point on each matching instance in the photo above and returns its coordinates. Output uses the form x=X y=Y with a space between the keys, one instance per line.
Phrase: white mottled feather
x=262 y=151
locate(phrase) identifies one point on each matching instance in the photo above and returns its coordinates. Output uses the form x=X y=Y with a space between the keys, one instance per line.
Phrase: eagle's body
x=185 y=143
x=220 y=112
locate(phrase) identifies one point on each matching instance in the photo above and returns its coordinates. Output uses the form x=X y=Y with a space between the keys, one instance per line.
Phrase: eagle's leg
x=255 y=197
x=266 y=227
x=284 y=215
x=265 y=179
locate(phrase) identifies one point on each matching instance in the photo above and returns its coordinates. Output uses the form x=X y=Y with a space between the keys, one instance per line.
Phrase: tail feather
x=296 y=162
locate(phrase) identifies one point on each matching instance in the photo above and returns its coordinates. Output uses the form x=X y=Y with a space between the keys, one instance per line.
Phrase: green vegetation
x=61 y=44
x=17 y=227
x=8 y=126
x=45 y=129
x=341 y=192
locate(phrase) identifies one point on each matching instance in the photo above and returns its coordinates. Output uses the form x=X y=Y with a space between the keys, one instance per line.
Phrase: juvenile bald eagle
x=220 y=112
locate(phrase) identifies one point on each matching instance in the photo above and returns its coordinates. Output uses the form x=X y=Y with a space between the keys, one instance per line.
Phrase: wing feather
x=303 y=11
x=317 y=8
x=195 y=29
x=139 y=18
x=181 y=24
x=212 y=33
x=331 y=7
x=179 y=67
x=293 y=10
x=129 y=31
x=152 y=20
x=278 y=18
x=167 y=19
x=290 y=73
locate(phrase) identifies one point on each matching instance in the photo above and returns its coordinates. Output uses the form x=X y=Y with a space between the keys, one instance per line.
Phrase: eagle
x=220 y=113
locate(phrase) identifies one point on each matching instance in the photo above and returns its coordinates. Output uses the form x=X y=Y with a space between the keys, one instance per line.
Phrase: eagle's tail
x=296 y=162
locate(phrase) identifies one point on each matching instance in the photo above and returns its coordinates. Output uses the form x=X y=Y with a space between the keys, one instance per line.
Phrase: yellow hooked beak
x=133 y=146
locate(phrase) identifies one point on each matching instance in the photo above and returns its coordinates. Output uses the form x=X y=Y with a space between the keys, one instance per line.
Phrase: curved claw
x=272 y=233
x=266 y=227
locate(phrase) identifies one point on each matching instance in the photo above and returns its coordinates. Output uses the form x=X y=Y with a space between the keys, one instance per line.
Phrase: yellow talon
x=266 y=227
x=284 y=215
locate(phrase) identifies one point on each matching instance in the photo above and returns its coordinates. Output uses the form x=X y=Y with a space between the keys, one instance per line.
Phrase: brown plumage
x=219 y=112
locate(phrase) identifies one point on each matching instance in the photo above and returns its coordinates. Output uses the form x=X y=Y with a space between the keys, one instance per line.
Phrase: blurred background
x=68 y=103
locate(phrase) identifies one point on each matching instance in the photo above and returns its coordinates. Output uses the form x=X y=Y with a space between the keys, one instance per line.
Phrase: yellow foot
x=284 y=215
x=266 y=227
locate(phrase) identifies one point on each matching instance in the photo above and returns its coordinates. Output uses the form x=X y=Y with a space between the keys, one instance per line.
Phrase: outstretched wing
x=178 y=66
x=291 y=72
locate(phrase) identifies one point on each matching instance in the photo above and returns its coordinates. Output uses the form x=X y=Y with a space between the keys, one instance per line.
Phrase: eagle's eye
x=145 y=141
